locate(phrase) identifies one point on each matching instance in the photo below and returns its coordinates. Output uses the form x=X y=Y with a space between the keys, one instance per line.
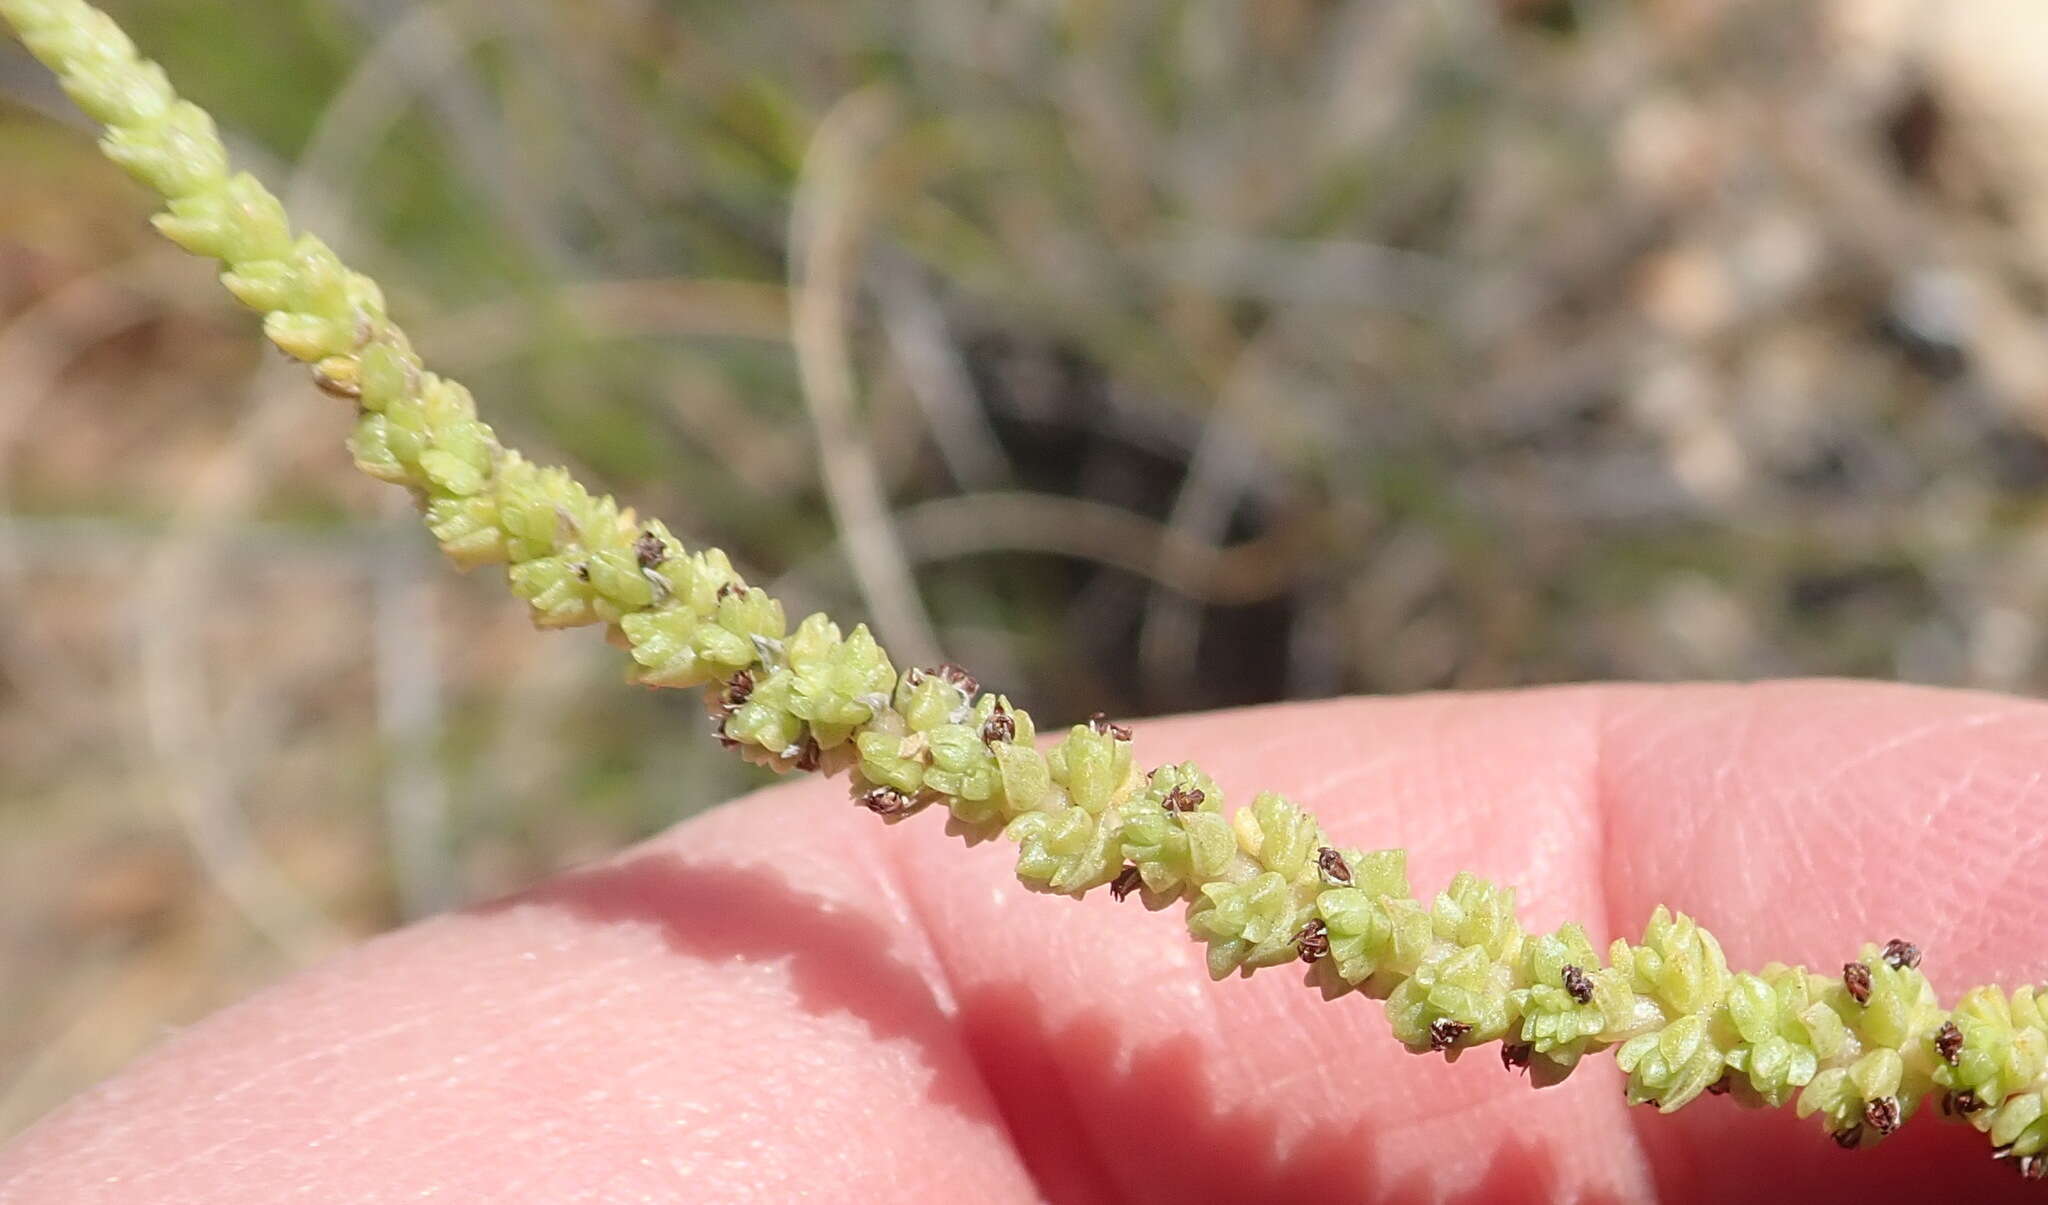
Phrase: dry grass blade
x=827 y=220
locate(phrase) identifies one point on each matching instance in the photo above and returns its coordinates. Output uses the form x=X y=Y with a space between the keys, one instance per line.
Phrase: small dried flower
x=1849 y=1139
x=1515 y=1055
x=1856 y=977
x=809 y=756
x=2031 y=1167
x=1333 y=866
x=1882 y=1114
x=1948 y=1042
x=1313 y=941
x=738 y=689
x=649 y=550
x=1721 y=1087
x=1577 y=985
x=1960 y=1104
x=1100 y=724
x=1183 y=799
x=958 y=678
x=884 y=801
x=1444 y=1033
x=1126 y=881
x=1900 y=954
x=999 y=727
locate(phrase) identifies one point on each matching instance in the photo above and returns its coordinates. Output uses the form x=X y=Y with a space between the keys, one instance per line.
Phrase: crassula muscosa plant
x=1861 y=1049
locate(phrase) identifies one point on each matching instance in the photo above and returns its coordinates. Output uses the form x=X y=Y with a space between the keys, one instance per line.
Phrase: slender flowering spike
x=1264 y=886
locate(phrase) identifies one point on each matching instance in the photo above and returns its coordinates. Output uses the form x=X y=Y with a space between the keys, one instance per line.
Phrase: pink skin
x=785 y=999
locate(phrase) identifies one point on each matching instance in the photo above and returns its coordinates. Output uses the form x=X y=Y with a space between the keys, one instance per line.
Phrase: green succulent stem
x=1264 y=886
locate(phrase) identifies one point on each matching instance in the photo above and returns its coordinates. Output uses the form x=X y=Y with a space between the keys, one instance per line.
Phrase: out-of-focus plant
x=1396 y=348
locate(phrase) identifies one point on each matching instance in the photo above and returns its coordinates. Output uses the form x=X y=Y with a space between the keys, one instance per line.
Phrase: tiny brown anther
x=730 y=590
x=1948 y=1042
x=1961 y=1103
x=1126 y=881
x=809 y=756
x=1183 y=799
x=1333 y=865
x=913 y=676
x=1850 y=1138
x=959 y=678
x=1721 y=1087
x=884 y=801
x=1856 y=977
x=1515 y=1055
x=1899 y=954
x=581 y=570
x=1313 y=941
x=1576 y=984
x=1100 y=723
x=1882 y=1114
x=725 y=739
x=737 y=691
x=649 y=550
x=998 y=727
x=1444 y=1033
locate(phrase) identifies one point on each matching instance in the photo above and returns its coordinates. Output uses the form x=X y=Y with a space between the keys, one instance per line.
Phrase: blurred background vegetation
x=1168 y=354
